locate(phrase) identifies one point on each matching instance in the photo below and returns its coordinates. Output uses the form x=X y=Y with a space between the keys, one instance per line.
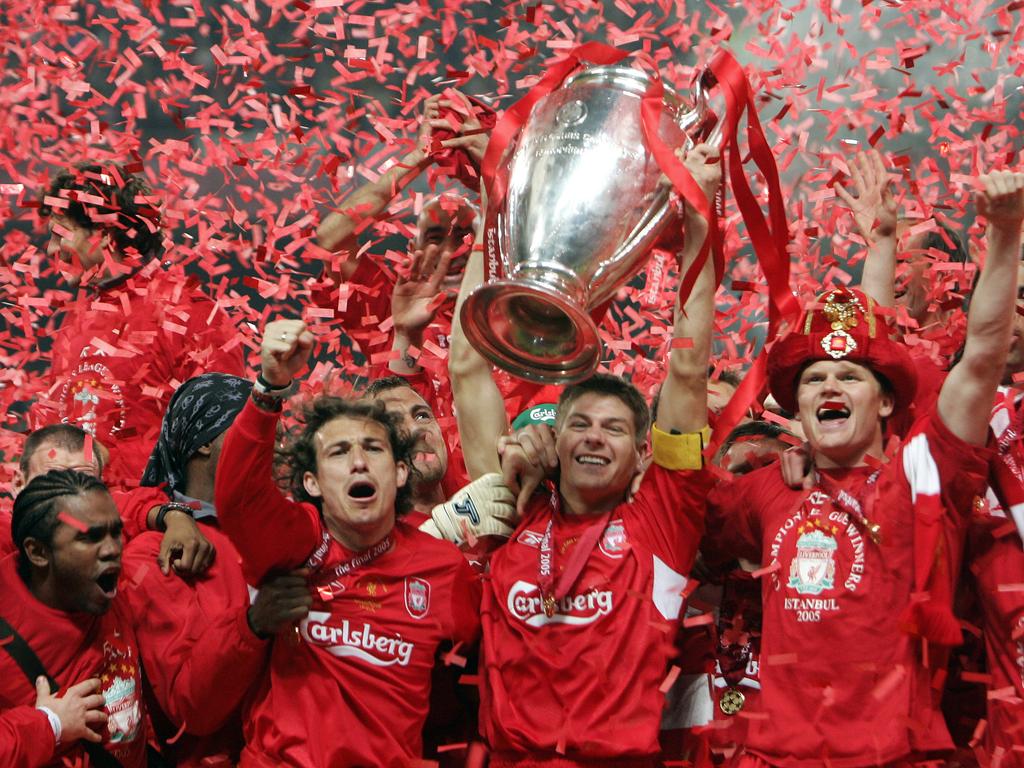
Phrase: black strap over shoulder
x=30 y=664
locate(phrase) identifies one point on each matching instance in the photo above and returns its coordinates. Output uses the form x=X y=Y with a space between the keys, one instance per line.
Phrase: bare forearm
x=683 y=405
x=989 y=321
x=402 y=361
x=479 y=406
x=880 y=270
x=367 y=201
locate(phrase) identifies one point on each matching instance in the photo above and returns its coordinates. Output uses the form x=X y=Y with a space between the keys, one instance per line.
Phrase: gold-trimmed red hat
x=841 y=325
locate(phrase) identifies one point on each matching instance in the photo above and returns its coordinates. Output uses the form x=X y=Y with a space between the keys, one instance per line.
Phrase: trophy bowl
x=585 y=204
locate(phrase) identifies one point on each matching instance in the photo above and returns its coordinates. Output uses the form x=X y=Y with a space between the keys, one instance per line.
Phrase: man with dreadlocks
x=353 y=688
x=59 y=595
x=136 y=323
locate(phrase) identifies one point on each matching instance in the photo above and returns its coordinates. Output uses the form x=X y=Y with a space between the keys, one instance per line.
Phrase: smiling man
x=353 y=687
x=60 y=594
x=858 y=569
x=581 y=605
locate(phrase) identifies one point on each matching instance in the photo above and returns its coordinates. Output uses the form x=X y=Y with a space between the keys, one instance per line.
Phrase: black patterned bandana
x=200 y=410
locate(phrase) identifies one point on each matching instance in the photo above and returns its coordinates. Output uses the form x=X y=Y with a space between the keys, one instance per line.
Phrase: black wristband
x=267 y=403
x=160 y=523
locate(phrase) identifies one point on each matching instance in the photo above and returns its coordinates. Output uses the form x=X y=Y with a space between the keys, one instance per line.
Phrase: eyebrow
x=98 y=531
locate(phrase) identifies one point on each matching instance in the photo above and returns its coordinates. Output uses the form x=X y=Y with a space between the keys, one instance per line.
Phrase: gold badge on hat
x=841 y=311
x=732 y=701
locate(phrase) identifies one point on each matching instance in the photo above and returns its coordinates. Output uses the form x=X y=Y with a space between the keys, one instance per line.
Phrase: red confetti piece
x=72 y=522
x=670 y=679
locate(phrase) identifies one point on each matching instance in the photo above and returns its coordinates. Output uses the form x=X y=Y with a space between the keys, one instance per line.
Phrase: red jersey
x=841 y=679
x=996 y=559
x=199 y=653
x=26 y=738
x=583 y=682
x=118 y=354
x=73 y=648
x=352 y=685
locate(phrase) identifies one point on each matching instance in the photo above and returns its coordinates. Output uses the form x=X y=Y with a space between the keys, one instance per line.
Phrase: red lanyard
x=550 y=590
x=325 y=580
x=852 y=505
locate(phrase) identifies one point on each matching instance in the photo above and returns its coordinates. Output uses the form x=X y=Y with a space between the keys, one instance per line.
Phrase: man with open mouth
x=60 y=594
x=858 y=569
x=352 y=687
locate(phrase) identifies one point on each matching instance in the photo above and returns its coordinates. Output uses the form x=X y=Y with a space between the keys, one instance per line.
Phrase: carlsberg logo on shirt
x=526 y=604
x=360 y=641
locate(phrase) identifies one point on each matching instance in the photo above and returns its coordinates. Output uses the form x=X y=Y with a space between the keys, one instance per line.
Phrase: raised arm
x=874 y=211
x=339 y=230
x=683 y=406
x=479 y=407
x=967 y=394
x=270 y=531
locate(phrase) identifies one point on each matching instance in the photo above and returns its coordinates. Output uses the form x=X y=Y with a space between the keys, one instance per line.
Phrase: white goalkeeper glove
x=485 y=507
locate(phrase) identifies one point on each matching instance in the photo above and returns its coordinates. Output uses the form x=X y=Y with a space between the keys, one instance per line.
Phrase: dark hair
x=612 y=386
x=946 y=240
x=136 y=230
x=35 y=509
x=298 y=455
x=750 y=429
x=727 y=376
x=385 y=384
x=66 y=436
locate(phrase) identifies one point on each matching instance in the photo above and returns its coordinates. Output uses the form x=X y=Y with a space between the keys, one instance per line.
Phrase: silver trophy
x=585 y=204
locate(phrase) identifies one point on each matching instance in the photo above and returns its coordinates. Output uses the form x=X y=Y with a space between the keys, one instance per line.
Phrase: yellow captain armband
x=679 y=451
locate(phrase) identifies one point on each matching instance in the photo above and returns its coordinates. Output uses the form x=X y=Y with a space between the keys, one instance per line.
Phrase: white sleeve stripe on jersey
x=920 y=468
x=667 y=590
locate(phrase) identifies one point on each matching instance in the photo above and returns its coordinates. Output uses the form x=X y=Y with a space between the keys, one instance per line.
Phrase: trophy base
x=531 y=331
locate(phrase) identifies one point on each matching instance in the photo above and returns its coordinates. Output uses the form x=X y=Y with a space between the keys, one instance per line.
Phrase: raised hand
x=470 y=135
x=1001 y=199
x=414 y=299
x=873 y=206
x=284 y=351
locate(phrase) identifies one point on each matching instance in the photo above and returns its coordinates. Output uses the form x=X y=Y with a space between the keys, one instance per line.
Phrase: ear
x=887 y=405
x=401 y=474
x=204 y=450
x=312 y=485
x=38 y=553
x=18 y=482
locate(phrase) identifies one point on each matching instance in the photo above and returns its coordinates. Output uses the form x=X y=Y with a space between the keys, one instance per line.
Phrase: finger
x=95 y=701
x=524 y=495
x=288 y=581
x=415 y=265
x=843 y=195
x=534 y=454
x=856 y=176
x=511 y=477
x=91 y=735
x=163 y=558
x=205 y=557
x=187 y=559
x=441 y=268
x=551 y=450
x=42 y=688
x=78 y=689
x=431 y=255
x=96 y=715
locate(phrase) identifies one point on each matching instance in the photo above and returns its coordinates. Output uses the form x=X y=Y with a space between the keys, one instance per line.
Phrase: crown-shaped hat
x=841 y=325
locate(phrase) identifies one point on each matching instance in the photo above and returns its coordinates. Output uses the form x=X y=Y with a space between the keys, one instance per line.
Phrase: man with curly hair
x=136 y=324
x=353 y=688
